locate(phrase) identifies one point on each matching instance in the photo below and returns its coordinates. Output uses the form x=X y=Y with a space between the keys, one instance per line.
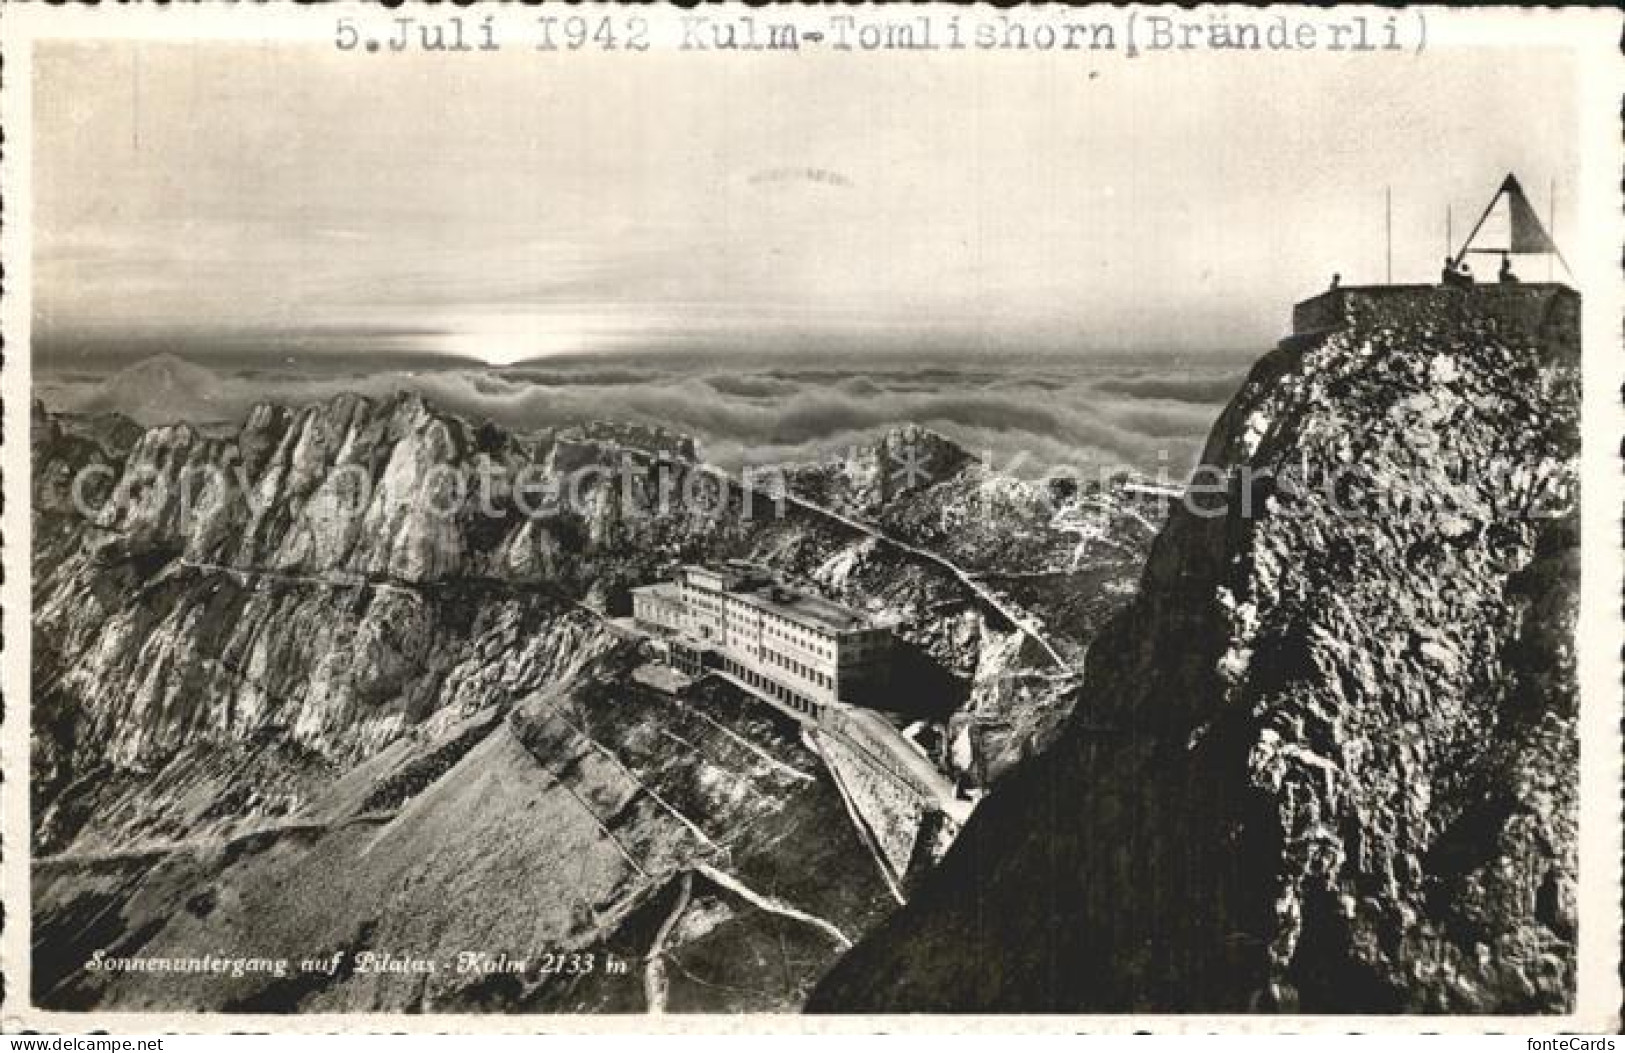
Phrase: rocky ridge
x=1326 y=759
x=260 y=649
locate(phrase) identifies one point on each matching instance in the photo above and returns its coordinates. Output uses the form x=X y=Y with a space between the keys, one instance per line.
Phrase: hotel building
x=801 y=650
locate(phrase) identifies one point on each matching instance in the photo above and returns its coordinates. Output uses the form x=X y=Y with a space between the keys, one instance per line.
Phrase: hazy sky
x=502 y=206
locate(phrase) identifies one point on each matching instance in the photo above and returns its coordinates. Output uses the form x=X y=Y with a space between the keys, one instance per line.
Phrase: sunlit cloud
x=501 y=339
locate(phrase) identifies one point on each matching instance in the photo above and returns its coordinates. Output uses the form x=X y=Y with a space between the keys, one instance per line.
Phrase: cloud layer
x=1028 y=417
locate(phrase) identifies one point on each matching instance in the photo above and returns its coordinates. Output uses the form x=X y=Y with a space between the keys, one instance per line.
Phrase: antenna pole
x=1388 y=222
x=1449 y=238
x=1551 y=226
x=135 y=100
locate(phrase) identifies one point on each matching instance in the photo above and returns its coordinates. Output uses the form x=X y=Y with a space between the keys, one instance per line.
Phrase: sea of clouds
x=1027 y=416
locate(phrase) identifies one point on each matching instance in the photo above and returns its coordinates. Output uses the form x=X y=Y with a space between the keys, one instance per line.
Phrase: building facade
x=657 y=605
x=802 y=650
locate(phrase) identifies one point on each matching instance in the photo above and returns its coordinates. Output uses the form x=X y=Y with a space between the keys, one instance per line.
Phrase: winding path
x=1015 y=616
x=144 y=849
x=772 y=905
x=655 y=984
x=1018 y=618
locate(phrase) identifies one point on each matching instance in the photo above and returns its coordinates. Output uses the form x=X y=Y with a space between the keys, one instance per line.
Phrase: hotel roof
x=753 y=585
x=805 y=608
x=665 y=590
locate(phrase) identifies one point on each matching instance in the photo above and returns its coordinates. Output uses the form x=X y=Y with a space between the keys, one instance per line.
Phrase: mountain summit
x=1326 y=761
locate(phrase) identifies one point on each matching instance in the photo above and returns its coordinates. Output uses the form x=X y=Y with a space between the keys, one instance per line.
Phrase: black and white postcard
x=1100 y=518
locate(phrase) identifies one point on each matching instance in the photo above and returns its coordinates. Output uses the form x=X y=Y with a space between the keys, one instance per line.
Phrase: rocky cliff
x=326 y=571
x=1326 y=760
x=366 y=650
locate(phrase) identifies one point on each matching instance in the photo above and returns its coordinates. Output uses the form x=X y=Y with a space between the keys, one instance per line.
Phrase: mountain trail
x=655 y=983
